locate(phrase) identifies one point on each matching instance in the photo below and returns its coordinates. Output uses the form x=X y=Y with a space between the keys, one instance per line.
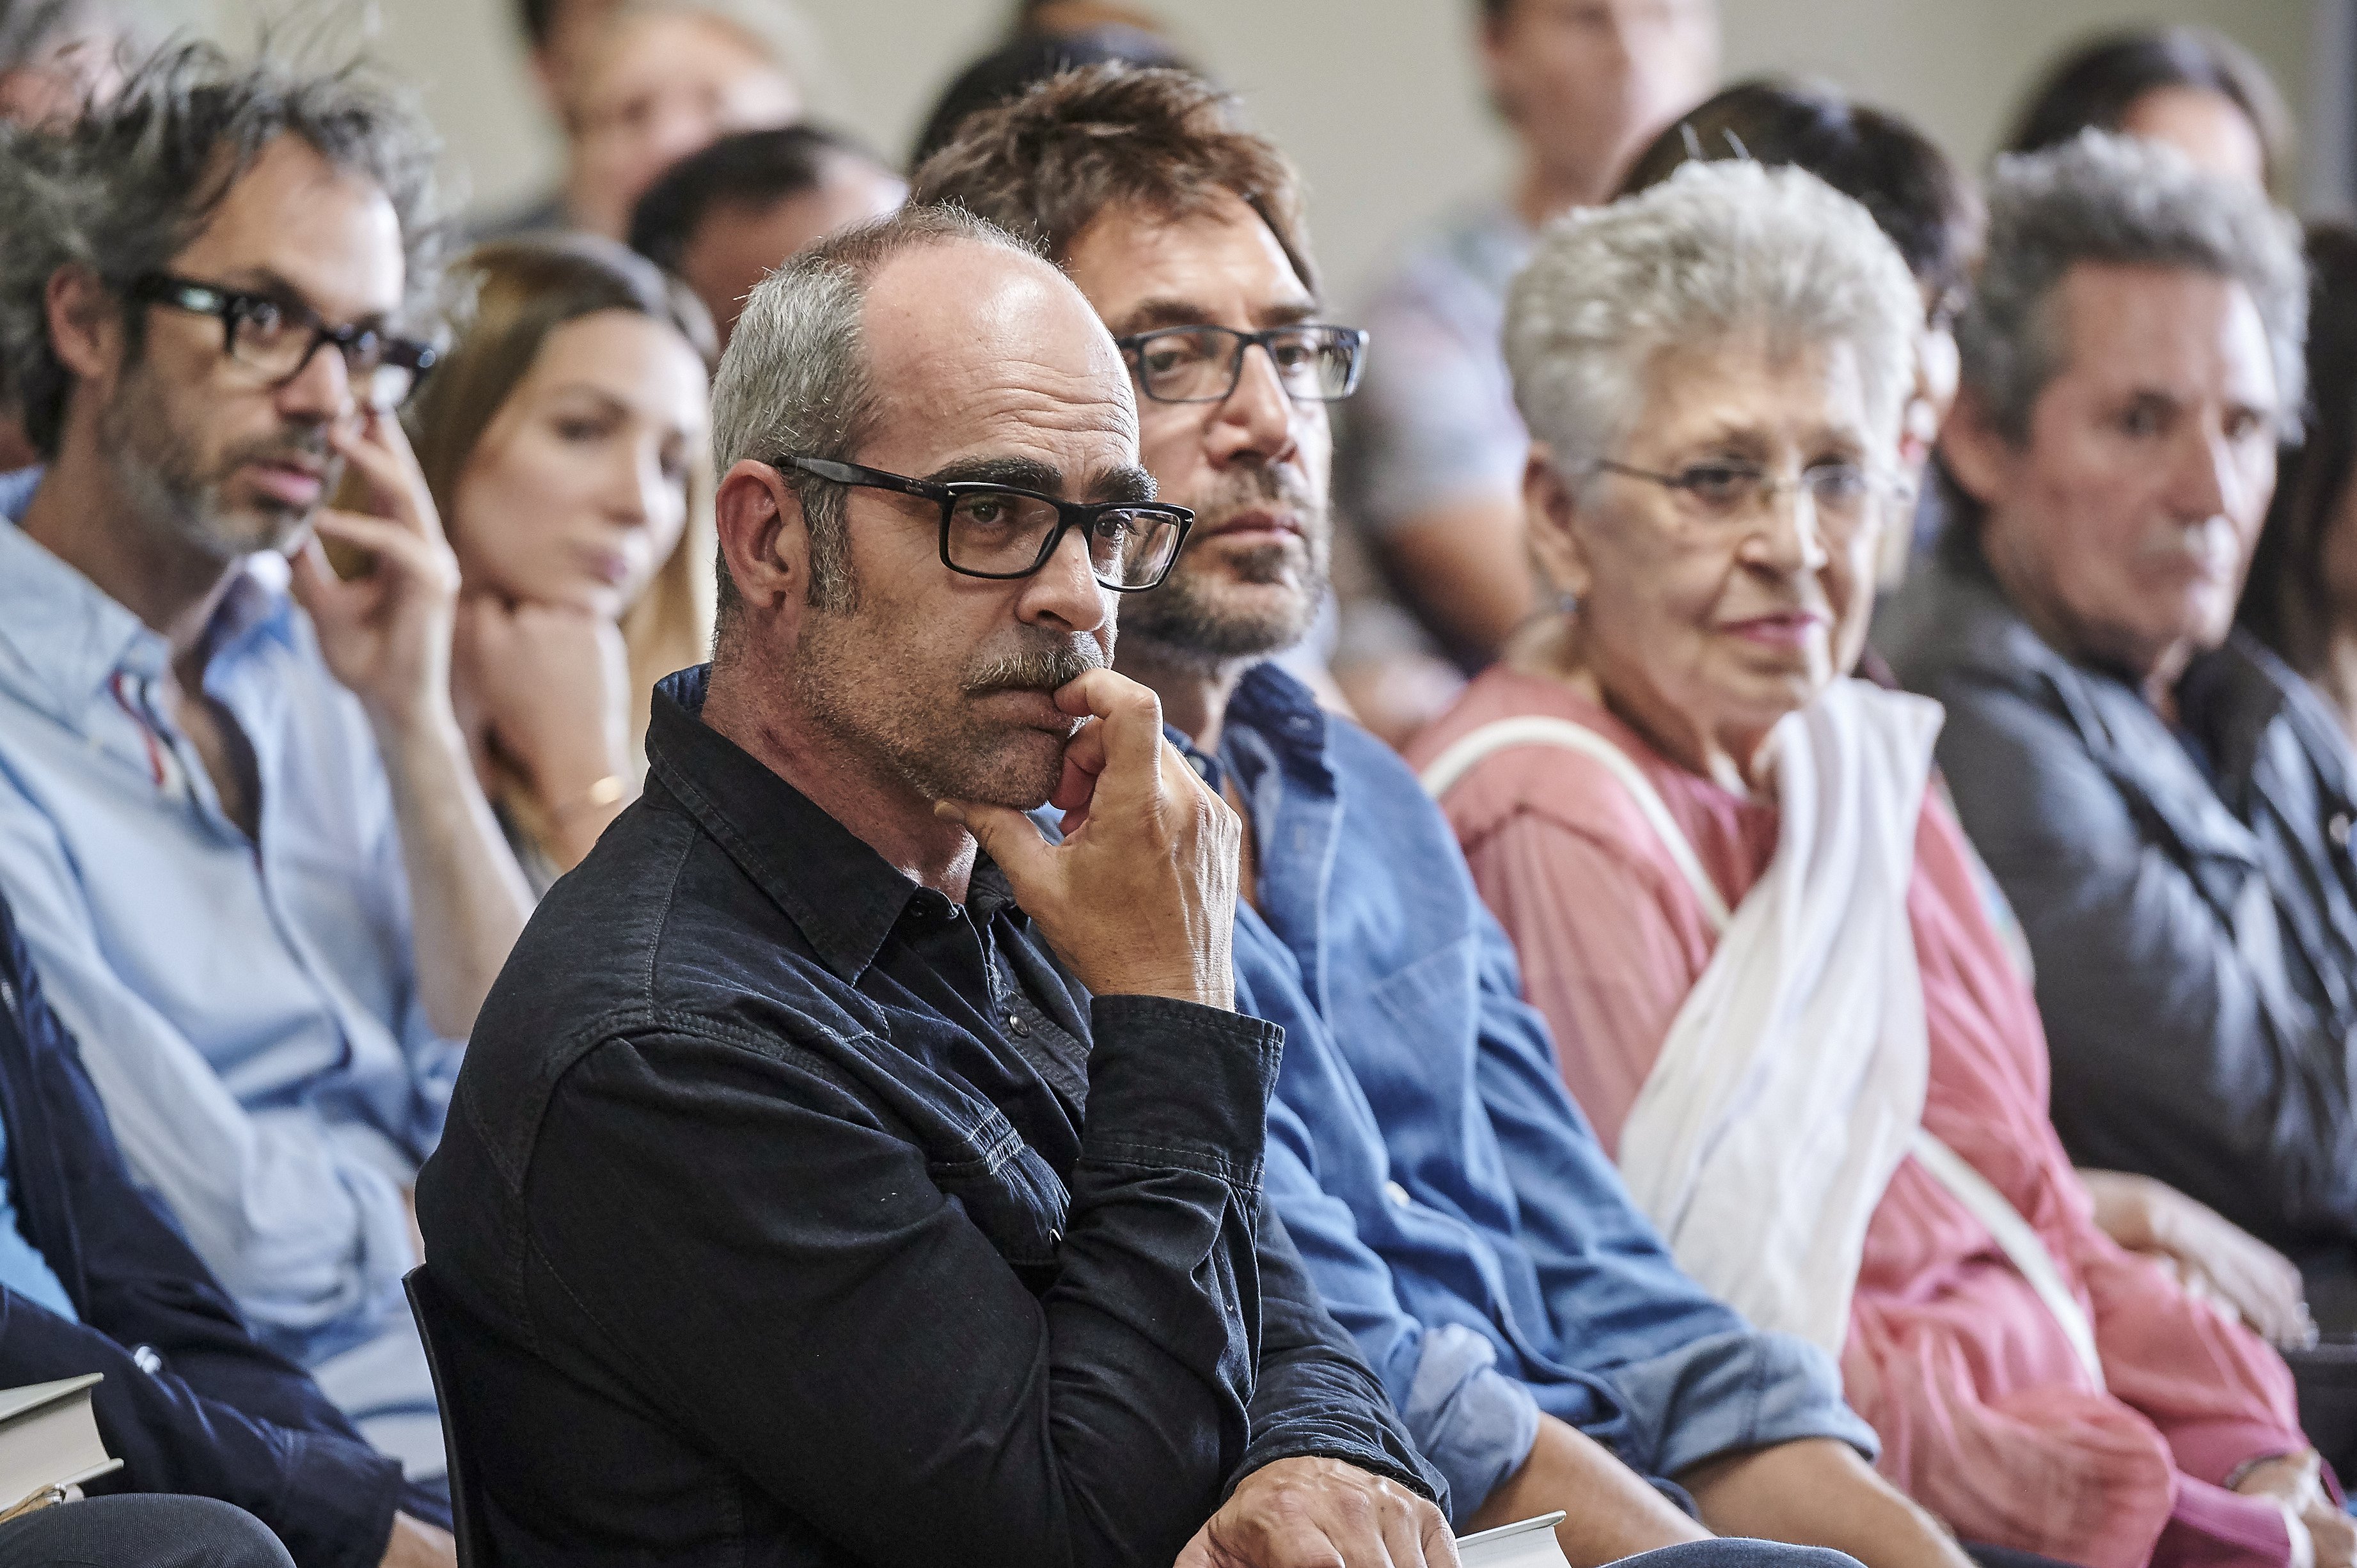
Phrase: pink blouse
x=1986 y=1415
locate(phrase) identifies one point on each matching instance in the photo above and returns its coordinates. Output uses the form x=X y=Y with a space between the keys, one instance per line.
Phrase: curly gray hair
x=2101 y=198
x=1719 y=248
x=130 y=184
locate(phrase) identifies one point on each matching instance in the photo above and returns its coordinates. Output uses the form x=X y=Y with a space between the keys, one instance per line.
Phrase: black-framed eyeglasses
x=1003 y=531
x=277 y=337
x=1314 y=364
x=1723 y=492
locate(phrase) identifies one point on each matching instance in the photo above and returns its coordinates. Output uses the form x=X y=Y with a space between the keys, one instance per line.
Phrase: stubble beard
x=163 y=476
x=1191 y=621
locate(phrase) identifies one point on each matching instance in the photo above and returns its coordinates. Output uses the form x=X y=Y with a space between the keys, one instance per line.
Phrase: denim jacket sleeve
x=1470 y=1422
x=2168 y=1055
x=1092 y=1413
x=1694 y=1380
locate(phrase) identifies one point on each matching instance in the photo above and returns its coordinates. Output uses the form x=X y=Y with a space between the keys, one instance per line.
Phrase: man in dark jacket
x=2165 y=806
x=94 y=1278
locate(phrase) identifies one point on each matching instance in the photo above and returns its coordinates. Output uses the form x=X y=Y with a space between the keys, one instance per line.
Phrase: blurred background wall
x=1378 y=100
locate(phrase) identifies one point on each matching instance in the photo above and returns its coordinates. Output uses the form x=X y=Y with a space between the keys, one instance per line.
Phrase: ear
x=1550 y=521
x=764 y=539
x=1976 y=453
x=85 y=327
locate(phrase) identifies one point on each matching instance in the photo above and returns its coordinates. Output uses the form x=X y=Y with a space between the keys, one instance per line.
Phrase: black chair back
x=433 y=1311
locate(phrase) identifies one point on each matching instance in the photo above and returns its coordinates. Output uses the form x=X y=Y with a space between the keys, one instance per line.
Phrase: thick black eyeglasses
x=276 y=338
x=1202 y=364
x=1001 y=531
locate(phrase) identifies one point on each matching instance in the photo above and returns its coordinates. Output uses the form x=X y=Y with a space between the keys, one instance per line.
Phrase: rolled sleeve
x=1471 y=1422
x=1729 y=1391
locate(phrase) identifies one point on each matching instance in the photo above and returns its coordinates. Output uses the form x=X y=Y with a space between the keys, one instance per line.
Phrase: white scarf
x=1793 y=1081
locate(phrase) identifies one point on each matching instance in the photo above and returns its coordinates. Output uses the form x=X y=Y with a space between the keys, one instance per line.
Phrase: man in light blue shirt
x=240 y=832
x=1454 y=1209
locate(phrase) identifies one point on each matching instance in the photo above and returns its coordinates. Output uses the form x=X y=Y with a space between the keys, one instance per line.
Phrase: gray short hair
x=795 y=375
x=129 y=185
x=1719 y=248
x=2119 y=200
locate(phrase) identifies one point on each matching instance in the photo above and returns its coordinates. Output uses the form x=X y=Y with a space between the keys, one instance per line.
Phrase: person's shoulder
x=1489 y=776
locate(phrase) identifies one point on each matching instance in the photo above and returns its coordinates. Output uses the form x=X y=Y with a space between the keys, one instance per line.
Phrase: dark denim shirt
x=798 y=1214
x=190 y=1402
x=2194 y=923
x=1453 y=1206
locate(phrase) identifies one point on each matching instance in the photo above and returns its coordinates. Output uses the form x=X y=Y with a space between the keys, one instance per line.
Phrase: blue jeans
x=140 y=1531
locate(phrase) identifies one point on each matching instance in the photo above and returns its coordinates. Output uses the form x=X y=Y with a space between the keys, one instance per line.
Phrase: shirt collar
x=844 y=897
x=74 y=637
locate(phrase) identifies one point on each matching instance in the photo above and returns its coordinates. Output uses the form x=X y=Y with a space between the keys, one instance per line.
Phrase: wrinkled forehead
x=974 y=348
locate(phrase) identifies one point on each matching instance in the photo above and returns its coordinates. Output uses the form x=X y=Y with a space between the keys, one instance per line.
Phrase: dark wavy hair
x=1918 y=197
x=129 y=185
x=2288 y=601
x=2094 y=86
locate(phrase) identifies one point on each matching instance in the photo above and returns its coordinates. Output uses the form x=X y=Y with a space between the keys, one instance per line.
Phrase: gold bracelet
x=607 y=791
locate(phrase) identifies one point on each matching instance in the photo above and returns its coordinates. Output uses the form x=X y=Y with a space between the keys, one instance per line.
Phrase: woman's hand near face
x=554 y=688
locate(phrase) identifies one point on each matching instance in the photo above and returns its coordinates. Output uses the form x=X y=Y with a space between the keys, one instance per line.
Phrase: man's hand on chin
x=1323 y=1513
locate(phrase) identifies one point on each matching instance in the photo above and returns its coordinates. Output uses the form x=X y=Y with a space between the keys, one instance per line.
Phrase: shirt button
x=145 y=1359
x=2338 y=830
x=1017 y=1027
x=1398 y=1193
x=1202 y=766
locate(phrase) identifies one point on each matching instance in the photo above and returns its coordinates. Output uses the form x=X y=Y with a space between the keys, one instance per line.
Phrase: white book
x=1530 y=1544
x=48 y=1438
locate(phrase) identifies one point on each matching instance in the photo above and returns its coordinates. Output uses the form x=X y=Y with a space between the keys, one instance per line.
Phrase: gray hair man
x=241 y=827
x=878 y=1199
x=2165 y=806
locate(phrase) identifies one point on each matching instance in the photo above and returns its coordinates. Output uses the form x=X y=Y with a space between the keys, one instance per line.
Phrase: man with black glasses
x=819 y=1190
x=1453 y=1208
x=238 y=823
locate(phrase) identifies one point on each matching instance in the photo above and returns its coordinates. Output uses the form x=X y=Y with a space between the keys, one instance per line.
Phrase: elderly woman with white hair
x=1755 y=925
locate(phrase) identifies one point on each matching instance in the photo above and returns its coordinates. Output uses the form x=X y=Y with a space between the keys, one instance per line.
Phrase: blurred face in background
x=578 y=492
x=79 y=62
x=2122 y=524
x=2205 y=125
x=657 y=86
x=737 y=246
x=1587 y=83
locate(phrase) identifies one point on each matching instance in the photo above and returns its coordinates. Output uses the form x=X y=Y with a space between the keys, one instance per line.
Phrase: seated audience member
x=1454 y=1213
x=723 y=218
x=649 y=82
x=240 y=829
x=94 y=1277
x=2194 y=88
x=2165 y=803
x=1915 y=195
x=2301 y=600
x=1925 y=207
x=793 y=1177
x=1753 y=924
x=1431 y=463
x=563 y=440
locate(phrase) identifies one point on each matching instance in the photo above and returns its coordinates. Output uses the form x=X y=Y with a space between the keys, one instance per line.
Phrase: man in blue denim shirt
x=1455 y=1210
